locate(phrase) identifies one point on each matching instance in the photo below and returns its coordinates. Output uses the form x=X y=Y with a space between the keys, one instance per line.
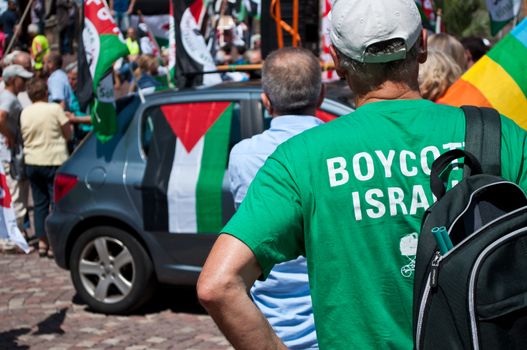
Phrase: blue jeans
x=66 y=40
x=41 y=180
x=122 y=20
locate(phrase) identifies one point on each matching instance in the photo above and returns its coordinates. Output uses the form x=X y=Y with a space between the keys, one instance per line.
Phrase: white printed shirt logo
x=408 y=248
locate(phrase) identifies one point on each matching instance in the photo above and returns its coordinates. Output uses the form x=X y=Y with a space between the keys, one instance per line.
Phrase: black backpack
x=470 y=288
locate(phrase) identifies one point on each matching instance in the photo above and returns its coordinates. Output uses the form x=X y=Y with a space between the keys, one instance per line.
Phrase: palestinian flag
x=193 y=56
x=498 y=79
x=502 y=12
x=187 y=160
x=145 y=33
x=426 y=9
x=158 y=26
x=101 y=45
x=247 y=8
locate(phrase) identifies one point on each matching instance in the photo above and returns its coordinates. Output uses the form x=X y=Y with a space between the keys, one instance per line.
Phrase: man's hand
x=228 y=274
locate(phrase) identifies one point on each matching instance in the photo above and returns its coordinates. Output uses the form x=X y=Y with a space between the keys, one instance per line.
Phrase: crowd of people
x=313 y=222
x=37 y=114
x=33 y=63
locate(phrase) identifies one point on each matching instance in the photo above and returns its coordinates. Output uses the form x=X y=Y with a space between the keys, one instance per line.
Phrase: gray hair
x=9 y=58
x=292 y=80
x=72 y=67
x=366 y=77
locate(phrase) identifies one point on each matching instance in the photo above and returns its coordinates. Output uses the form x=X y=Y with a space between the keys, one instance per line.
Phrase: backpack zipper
x=434 y=270
x=431 y=284
x=472 y=283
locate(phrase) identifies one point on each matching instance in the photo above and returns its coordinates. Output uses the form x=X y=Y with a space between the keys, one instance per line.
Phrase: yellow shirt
x=133 y=47
x=39 y=49
x=41 y=127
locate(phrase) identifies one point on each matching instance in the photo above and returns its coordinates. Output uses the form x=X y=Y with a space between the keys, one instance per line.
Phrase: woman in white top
x=45 y=130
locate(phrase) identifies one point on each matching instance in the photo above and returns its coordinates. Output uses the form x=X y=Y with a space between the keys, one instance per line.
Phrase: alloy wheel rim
x=107 y=270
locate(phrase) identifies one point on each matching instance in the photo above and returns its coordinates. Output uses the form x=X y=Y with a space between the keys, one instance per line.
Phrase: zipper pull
x=434 y=272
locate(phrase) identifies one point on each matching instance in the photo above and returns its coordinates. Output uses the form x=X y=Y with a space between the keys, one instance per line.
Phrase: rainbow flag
x=498 y=79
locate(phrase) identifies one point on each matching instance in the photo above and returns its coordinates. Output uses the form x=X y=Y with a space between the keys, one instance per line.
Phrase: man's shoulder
x=58 y=76
x=313 y=136
x=8 y=100
x=251 y=145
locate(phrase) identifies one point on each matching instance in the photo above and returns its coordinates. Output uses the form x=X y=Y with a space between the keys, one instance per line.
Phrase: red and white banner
x=8 y=228
x=325 y=56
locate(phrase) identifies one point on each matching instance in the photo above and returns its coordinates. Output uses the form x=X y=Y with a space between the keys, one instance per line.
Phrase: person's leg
x=70 y=34
x=118 y=19
x=62 y=39
x=39 y=189
x=49 y=173
x=125 y=23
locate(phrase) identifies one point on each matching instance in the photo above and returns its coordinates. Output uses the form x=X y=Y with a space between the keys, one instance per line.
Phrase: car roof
x=336 y=90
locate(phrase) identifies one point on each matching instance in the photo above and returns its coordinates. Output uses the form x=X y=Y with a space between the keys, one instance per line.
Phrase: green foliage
x=464 y=18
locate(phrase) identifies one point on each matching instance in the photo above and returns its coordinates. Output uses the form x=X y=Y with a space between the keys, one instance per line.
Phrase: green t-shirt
x=349 y=195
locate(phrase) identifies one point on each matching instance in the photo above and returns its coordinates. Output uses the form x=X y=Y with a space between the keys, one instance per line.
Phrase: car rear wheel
x=111 y=270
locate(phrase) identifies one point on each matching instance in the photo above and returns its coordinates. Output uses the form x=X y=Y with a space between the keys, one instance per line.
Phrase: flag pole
x=295 y=23
x=438 y=20
x=15 y=34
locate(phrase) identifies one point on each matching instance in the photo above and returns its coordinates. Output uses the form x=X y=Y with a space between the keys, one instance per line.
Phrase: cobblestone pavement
x=39 y=310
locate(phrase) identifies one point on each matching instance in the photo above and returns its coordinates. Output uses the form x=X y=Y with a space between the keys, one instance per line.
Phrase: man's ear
x=266 y=102
x=336 y=60
x=423 y=50
x=322 y=95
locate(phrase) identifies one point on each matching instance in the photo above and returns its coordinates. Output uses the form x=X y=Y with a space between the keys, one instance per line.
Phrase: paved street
x=39 y=310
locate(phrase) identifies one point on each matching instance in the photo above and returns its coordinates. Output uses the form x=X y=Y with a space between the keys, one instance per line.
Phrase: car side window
x=147 y=124
x=147 y=131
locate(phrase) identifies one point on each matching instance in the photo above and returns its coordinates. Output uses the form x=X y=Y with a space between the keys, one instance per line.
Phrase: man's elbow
x=212 y=291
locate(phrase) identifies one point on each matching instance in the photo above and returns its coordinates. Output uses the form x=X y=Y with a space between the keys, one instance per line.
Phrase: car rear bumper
x=59 y=226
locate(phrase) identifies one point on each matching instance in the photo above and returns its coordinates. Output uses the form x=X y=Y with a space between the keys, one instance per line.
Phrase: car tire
x=111 y=270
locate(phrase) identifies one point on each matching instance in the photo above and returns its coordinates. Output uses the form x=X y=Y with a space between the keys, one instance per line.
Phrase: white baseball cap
x=357 y=24
x=16 y=70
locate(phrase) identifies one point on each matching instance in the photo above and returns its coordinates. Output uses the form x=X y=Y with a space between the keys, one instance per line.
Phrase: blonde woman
x=437 y=74
x=449 y=45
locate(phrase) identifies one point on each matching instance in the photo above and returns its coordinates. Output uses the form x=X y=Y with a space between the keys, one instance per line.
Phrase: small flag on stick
x=101 y=45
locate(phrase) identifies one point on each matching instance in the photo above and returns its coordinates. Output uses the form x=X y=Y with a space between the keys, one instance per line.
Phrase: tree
x=464 y=18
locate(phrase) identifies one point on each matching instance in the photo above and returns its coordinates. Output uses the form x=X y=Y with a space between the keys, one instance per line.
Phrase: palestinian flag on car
x=101 y=45
x=187 y=160
x=497 y=80
x=193 y=56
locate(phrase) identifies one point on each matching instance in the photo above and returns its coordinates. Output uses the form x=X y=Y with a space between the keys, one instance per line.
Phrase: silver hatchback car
x=146 y=206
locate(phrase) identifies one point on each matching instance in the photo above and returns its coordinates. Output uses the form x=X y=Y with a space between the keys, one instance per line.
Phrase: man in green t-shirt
x=349 y=195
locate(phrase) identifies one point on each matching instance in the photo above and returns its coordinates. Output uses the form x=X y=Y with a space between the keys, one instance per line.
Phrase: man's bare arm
x=131 y=7
x=228 y=274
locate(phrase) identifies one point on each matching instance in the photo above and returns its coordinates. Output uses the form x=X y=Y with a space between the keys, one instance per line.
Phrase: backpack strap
x=483 y=137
